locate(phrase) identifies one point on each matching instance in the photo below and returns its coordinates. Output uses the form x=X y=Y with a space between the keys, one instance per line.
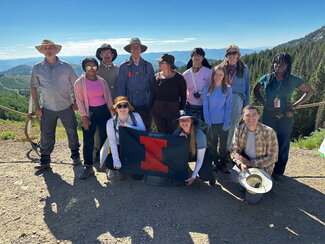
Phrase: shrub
x=7 y=136
x=311 y=142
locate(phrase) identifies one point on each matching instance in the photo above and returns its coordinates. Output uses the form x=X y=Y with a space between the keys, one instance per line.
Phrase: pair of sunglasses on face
x=124 y=105
x=88 y=67
x=231 y=53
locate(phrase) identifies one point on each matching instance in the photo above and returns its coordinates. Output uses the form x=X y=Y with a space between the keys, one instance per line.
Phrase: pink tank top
x=95 y=93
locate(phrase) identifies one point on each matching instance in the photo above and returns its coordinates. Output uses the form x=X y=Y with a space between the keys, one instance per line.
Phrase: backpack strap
x=134 y=121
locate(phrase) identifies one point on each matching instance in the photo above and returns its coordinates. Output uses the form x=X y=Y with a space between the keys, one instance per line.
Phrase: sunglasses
x=88 y=67
x=231 y=53
x=124 y=105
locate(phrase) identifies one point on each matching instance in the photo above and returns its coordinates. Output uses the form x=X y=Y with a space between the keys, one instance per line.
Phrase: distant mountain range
x=316 y=36
x=23 y=66
x=8 y=66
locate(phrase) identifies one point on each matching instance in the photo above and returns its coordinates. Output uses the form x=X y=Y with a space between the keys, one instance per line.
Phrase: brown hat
x=106 y=46
x=168 y=59
x=121 y=99
x=135 y=40
x=48 y=43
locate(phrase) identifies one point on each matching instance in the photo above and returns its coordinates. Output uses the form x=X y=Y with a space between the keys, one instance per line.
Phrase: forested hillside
x=308 y=55
x=308 y=63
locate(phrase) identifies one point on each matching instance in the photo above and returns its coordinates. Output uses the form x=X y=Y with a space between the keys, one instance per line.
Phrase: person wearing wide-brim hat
x=198 y=148
x=169 y=94
x=136 y=78
x=124 y=116
x=198 y=77
x=254 y=146
x=109 y=72
x=55 y=79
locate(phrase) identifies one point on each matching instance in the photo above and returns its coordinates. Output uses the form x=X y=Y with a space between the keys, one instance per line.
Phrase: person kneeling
x=254 y=146
x=123 y=117
x=197 y=147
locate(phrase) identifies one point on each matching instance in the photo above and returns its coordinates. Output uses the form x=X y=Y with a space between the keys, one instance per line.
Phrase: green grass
x=7 y=136
x=14 y=130
x=310 y=142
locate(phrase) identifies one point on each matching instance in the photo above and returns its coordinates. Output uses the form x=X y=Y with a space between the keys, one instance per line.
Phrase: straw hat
x=135 y=40
x=48 y=43
x=255 y=180
x=121 y=99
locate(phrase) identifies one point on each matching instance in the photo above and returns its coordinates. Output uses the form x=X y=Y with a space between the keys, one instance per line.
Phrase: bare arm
x=257 y=93
x=34 y=93
x=308 y=93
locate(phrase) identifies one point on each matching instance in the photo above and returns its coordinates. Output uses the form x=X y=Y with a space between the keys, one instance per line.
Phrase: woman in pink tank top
x=93 y=99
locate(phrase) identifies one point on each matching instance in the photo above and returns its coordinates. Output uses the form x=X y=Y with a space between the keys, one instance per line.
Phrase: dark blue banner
x=157 y=154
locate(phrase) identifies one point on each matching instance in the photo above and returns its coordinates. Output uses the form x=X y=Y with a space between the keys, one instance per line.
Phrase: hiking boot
x=87 y=172
x=76 y=161
x=43 y=167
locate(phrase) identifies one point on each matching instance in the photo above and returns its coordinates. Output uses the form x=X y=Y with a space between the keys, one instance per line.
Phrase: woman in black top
x=169 y=93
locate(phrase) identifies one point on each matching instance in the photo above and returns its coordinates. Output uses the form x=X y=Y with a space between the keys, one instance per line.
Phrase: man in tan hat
x=136 y=78
x=55 y=79
x=254 y=145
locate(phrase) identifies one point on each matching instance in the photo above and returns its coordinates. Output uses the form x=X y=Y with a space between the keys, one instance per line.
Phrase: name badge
x=277 y=102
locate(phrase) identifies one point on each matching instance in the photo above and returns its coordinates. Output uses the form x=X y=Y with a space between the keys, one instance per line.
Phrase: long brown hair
x=240 y=64
x=192 y=145
x=224 y=80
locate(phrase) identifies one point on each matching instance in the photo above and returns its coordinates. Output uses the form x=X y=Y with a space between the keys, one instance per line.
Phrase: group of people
x=203 y=104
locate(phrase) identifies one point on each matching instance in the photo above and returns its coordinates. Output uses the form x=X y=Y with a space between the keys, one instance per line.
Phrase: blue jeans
x=48 y=127
x=283 y=128
x=236 y=113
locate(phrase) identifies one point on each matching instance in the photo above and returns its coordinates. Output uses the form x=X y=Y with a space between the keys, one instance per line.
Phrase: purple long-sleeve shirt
x=217 y=106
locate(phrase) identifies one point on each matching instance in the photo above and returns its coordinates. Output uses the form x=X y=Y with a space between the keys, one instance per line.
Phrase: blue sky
x=82 y=26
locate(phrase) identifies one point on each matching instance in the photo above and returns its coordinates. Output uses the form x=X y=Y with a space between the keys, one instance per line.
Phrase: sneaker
x=87 y=172
x=212 y=182
x=76 y=161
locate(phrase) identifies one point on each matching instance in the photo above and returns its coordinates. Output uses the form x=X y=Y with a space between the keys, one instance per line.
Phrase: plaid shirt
x=266 y=146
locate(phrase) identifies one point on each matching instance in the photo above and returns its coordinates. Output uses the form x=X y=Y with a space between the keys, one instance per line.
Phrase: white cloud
x=73 y=47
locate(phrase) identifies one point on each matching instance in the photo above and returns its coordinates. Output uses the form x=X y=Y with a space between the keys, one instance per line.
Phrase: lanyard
x=193 y=80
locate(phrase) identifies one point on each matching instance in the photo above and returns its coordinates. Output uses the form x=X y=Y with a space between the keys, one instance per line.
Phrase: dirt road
x=57 y=207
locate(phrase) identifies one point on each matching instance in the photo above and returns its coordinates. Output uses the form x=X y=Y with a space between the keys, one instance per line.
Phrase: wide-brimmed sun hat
x=103 y=47
x=255 y=180
x=121 y=99
x=48 y=43
x=184 y=114
x=135 y=40
x=168 y=59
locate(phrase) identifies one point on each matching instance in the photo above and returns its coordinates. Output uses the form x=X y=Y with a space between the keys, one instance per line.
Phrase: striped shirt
x=266 y=146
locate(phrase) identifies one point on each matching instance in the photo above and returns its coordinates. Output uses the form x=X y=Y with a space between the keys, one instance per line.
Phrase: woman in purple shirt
x=217 y=100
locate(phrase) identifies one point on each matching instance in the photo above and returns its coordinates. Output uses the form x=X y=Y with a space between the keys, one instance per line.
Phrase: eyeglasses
x=231 y=53
x=88 y=67
x=124 y=105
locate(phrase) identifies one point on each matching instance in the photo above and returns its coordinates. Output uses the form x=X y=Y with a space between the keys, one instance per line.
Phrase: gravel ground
x=57 y=207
